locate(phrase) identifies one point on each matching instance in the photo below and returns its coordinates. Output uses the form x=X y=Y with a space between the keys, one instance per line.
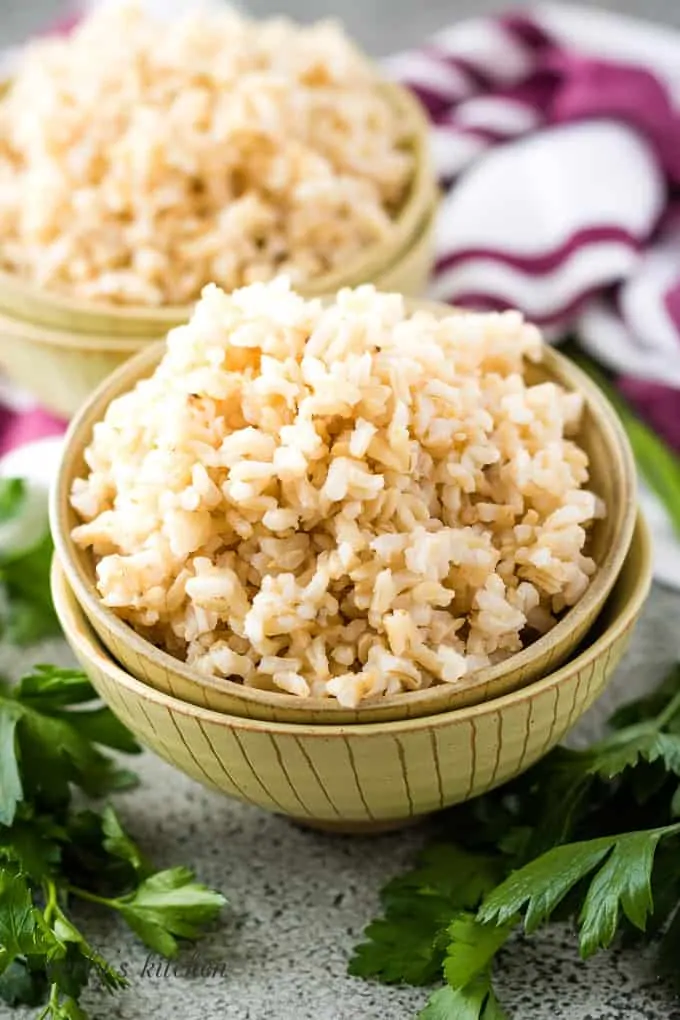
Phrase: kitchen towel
x=556 y=136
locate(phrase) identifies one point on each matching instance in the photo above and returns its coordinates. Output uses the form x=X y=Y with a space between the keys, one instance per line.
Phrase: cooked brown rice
x=345 y=501
x=141 y=159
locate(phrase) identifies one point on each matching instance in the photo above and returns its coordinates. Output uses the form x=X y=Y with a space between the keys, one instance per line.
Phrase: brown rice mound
x=347 y=500
x=141 y=159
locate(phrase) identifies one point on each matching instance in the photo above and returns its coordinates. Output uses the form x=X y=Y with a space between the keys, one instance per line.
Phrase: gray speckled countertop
x=299 y=901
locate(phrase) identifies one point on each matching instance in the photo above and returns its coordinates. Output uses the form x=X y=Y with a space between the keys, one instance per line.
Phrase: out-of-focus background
x=381 y=25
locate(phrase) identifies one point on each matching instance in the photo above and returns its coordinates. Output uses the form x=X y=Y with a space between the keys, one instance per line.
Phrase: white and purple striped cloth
x=556 y=135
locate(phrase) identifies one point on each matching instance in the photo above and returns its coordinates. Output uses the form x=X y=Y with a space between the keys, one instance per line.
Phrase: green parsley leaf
x=80 y=956
x=444 y=1004
x=11 y=791
x=675 y=804
x=117 y=842
x=492 y=1008
x=12 y=497
x=47 y=688
x=666 y=748
x=627 y=747
x=665 y=888
x=55 y=754
x=26 y=548
x=623 y=751
x=662 y=701
x=399 y=951
x=484 y=825
x=556 y=791
x=463 y=1004
x=87 y=863
x=52 y=691
x=471 y=948
x=22 y=985
x=47 y=746
x=167 y=906
x=547 y=847
x=459 y=876
x=646 y=784
x=29 y=614
x=24 y=521
x=25 y=623
x=23 y=931
x=70 y=1010
x=541 y=885
x=69 y=971
x=476 y=1001
x=62 y=1008
x=56 y=741
x=624 y=882
x=100 y=726
x=560 y=791
x=405 y=946
x=34 y=845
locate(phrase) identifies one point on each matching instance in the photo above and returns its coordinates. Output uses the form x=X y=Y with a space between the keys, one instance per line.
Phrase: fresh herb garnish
x=52 y=736
x=26 y=610
x=547 y=847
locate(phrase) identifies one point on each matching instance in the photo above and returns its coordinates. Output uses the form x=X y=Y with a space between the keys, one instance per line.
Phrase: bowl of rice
x=377 y=776
x=345 y=510
x=161 y=155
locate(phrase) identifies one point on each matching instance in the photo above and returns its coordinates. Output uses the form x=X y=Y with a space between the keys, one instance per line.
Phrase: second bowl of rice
x=354 y=509
x=161 y=155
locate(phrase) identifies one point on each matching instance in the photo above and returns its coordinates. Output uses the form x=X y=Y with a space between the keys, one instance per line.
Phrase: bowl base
x=368 y=828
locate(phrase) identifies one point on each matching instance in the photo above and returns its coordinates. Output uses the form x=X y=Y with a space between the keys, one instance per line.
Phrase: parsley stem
x=654 y=725
x=51 y=905
x=83 y=894
x=667 y=830
x=673 y=706
x=53 y=1003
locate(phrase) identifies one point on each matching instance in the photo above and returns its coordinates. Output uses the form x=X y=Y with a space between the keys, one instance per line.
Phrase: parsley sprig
x=26 y=610
x=53 y=740
x=548 y=847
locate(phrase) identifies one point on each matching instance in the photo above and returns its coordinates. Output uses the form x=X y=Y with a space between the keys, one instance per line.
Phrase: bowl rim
x=50 y=336
x=144 y=322
x=78 y=629
x=73 y=559
x=86 y=343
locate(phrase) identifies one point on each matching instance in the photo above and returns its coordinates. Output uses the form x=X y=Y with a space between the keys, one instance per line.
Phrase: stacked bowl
x=390 y=759
x=60 y=348
x=379 y=682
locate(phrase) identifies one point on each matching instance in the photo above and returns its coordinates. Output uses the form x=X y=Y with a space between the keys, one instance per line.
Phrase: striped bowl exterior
x=369 y=776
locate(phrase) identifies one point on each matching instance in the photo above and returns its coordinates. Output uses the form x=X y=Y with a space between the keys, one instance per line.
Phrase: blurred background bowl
x=612 y=478
x=59 y=348
x=61 y=368
x=375 y=776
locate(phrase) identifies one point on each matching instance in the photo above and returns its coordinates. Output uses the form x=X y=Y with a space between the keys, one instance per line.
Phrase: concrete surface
x=299 y=901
